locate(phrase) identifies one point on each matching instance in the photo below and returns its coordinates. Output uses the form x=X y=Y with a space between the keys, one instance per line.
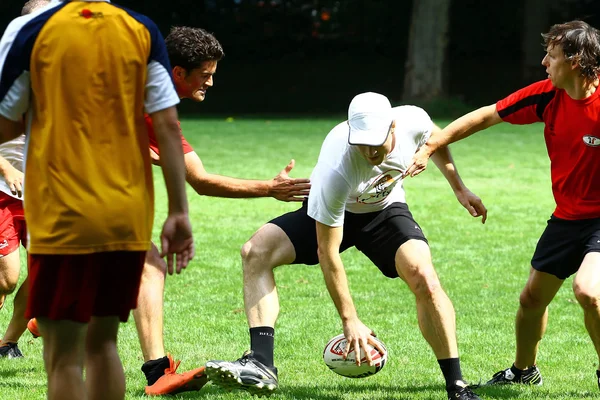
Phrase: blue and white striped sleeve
x=15 y=85
x=160 y=89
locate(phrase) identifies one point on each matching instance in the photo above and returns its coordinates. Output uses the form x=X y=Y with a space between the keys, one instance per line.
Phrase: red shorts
x=76 y=287
x=13 y=230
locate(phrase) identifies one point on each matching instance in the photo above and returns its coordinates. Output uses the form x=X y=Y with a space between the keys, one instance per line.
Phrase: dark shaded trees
x=425 y=63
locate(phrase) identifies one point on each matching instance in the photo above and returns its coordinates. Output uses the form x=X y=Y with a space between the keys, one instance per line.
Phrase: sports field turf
x=482 y=267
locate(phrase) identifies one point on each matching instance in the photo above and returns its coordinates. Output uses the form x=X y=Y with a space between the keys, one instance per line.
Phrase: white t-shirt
x=343 y=180
x=13 y=151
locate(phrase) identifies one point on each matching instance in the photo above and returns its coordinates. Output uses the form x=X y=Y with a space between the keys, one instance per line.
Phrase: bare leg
x=10 y=266
x=64 y=343
x=18 y=323
x=268 y=248
x=148 y=315
x=105 y=379
x=532 y=316
x=434 y=309
x=586 y=286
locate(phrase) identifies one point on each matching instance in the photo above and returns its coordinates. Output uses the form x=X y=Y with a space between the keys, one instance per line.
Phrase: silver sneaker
x=246 y=373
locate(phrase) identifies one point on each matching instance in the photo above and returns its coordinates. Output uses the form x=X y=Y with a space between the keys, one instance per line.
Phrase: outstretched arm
x=281 y=187
x=357 y=334
x=461 y=128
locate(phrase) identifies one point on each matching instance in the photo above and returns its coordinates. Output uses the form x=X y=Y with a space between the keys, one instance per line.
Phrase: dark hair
x=580 y=43
x=189 y=47
x=31 y=5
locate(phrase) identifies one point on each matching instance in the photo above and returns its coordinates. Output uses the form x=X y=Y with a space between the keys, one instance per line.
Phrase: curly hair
x=189 y=47
x=580 y=43
x=32 y=5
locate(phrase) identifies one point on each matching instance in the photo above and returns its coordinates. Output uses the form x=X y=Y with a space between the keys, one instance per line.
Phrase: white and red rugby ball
x=333 y=355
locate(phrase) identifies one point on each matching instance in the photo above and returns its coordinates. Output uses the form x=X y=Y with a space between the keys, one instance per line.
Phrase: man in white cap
x=356 y=200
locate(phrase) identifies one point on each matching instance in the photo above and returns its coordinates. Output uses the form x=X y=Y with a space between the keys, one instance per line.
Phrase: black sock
x=598 y=376
x=518 y=372
x=451 y=369
x=262 y=342
x=154 y=369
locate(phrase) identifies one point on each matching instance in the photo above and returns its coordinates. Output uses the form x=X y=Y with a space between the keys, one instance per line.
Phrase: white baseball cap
x=370 y=117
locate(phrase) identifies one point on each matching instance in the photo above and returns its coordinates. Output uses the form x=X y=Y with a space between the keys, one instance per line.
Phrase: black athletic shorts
x=564 y=244
x=377 y=234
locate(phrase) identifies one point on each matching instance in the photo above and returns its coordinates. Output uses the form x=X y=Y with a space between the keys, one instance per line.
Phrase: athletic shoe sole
x=229 y=381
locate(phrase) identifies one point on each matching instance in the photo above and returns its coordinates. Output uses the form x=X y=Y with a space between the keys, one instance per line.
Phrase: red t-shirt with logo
x=152 y=137
x=572 y=133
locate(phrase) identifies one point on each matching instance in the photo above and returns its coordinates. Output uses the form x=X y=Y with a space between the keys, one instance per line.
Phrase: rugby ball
x=333 y=355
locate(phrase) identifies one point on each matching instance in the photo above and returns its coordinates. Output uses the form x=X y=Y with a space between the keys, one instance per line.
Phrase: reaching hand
x=472 y=203
x=358 y=335
x=176 y=239
x=14 y=180
x=285 y=188
x=154 y=157
x=419 y=162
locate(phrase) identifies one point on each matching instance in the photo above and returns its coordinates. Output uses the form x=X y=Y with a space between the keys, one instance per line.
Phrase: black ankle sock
x=262 y=342
x=451 y=369
x=518 y=372
x=154 y=369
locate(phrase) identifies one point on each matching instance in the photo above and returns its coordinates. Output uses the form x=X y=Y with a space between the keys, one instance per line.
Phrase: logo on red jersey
x=591 y=141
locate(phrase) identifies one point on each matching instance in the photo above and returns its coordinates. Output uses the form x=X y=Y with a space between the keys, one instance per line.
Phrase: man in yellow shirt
x=88 y=192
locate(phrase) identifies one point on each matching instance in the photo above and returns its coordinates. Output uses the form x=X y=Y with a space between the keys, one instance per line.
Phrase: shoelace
x=244 y=360
x=468 y=392
x=173 y=365
x=500 y=374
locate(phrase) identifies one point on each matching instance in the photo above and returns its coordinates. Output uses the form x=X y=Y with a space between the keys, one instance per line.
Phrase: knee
x=9 y=275
x=7 y=285
x=425 y=283
x=100 y=348
x=586 y=296
x=530 y=300
x=251 y=251
x=254 y=257
x=154 y=266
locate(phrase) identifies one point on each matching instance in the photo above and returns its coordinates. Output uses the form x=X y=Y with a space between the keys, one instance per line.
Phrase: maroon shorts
x=76 y=287
x=13 y=231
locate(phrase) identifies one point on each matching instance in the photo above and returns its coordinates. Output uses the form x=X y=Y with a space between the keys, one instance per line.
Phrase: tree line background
x=312 y=56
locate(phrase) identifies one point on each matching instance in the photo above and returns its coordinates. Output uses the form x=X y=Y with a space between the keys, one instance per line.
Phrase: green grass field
x=482 y=267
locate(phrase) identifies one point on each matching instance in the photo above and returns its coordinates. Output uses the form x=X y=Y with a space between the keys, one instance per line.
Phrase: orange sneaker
x=33 y=328
x=172 y=382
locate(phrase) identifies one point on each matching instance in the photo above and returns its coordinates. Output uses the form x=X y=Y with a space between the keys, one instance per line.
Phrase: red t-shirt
x=154 y=144
x=572 y=133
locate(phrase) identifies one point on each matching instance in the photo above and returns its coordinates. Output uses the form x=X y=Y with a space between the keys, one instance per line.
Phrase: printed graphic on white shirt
x=380 y=187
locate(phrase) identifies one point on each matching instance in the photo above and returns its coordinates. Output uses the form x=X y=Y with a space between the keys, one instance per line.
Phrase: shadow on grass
x=17 y=371
x=340 y=391
x=502 y=392
x=373 y=392
x=337 y=391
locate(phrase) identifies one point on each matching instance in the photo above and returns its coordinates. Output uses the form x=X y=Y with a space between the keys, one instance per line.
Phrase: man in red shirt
x=194 y=54
x=568 y=103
